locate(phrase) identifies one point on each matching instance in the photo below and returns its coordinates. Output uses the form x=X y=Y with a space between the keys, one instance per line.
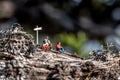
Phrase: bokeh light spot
x=76 y=2
x=108 y=2
x=116 y=14
x=117 y=30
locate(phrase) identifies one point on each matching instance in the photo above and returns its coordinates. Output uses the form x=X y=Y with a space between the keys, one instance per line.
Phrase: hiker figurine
x=47 y=45
x=59 y=47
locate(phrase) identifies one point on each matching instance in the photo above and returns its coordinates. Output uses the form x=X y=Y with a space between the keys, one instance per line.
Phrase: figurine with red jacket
x=59 y=47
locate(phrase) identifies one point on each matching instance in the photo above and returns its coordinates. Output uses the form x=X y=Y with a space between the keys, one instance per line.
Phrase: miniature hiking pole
x=37 y=29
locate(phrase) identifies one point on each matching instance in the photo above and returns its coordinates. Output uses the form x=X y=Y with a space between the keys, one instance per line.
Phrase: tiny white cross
x=37 y=29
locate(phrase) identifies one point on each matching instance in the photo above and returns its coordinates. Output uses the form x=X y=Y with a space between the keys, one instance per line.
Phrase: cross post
x=37 y=33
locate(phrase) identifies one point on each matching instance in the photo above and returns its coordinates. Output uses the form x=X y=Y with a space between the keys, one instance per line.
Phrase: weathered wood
x=16 y=62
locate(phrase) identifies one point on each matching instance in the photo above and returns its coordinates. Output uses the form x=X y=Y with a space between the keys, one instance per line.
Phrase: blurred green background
x=81 y=25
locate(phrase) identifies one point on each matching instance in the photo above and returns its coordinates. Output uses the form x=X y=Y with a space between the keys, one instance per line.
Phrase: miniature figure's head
x=59 y=43
x=45 y=40
x=47 y=37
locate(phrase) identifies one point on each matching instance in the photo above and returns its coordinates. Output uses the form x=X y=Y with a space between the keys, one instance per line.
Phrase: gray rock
x=2 y=65
x=9 y=66
x=2 y=77
x=14 y=63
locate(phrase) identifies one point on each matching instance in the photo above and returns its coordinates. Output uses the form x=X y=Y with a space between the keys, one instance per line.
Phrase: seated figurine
x=47 y=45
x=59 y=47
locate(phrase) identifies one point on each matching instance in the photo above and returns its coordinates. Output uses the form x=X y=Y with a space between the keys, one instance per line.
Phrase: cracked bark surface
x=16 y=62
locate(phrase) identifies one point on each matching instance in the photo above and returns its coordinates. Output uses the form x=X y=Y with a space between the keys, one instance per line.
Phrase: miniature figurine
x=59 y=47
x=47 y=45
